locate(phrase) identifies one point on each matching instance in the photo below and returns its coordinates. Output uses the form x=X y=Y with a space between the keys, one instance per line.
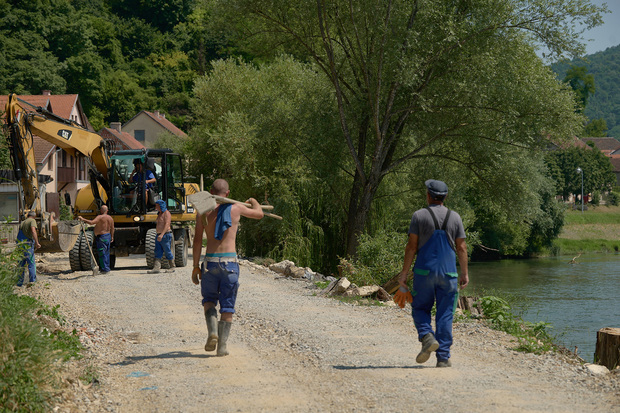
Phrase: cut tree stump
x=471 y=304
x=607 y=351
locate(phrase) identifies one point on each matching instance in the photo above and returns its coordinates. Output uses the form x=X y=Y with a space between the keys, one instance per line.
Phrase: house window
x=138 y=134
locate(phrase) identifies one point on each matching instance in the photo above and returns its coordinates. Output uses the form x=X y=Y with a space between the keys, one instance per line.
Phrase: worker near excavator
x=219 y=274
x=163 y=241
x=436 y=236
x=104 y=236
x=28 y=241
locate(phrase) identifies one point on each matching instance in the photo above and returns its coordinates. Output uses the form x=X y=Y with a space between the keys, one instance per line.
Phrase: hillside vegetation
x=605 y=102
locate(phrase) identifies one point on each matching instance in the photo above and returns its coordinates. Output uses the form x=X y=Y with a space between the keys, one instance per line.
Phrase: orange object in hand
x=403 y=296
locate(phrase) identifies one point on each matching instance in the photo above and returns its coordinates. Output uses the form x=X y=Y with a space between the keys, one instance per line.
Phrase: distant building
x=147 y=127
x=119 y=140
x=606 y=145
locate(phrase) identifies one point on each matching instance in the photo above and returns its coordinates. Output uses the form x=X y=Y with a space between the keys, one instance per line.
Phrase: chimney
x=46 y=92
x=156 y=113
x=116 y=126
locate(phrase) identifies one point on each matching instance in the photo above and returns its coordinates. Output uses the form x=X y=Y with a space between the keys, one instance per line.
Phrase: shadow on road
x=378 y=367
x=170 y=355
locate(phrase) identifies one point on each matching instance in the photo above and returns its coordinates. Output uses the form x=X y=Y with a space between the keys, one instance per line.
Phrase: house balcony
x=64 y=174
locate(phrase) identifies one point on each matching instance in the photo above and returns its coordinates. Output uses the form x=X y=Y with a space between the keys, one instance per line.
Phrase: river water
x=576 y=299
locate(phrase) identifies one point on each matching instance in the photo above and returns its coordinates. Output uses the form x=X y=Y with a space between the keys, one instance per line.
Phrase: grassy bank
x=31 y=354
x=594 y=230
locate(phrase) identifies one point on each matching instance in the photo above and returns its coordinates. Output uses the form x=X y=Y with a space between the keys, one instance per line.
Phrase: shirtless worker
x=104 y=236
x=163 y=241
x=219 y=275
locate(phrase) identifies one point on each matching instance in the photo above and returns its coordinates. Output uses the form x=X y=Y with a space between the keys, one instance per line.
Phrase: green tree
x=582 y=83
x=596 y=128
x=422 y=81
x=597 y=171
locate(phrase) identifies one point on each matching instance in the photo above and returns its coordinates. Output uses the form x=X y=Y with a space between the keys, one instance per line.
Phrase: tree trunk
x=358 y=214
x=607 y=351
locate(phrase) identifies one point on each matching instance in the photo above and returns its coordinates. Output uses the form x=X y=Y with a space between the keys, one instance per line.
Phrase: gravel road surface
x=290 y=351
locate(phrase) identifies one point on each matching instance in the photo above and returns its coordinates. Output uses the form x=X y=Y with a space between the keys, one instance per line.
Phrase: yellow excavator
x=113 y=182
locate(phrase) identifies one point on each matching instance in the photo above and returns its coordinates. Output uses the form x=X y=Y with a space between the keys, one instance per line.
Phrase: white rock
x=597 y=369
x=282 y=266
x=342 y=285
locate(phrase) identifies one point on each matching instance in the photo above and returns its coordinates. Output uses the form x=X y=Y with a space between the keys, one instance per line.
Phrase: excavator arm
x=24 y=120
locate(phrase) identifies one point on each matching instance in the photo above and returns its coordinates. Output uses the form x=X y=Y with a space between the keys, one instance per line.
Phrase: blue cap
x=161 y=204
x=436 y=188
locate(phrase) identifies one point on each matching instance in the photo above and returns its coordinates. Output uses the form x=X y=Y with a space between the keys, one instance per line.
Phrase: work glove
x=196 y=275
x=403 y=296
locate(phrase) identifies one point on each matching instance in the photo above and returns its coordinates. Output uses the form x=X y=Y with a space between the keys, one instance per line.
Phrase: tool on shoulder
x=205 y=202
x=94 y=267
x=402 y=296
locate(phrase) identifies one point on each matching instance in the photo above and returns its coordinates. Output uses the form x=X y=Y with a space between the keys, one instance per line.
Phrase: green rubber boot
x=171 y=265
x=211 y=317
x=223 y=330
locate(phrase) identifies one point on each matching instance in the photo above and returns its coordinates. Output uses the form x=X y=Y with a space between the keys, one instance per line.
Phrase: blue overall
x=435 y=280
x=103 y=248
x=27 y=246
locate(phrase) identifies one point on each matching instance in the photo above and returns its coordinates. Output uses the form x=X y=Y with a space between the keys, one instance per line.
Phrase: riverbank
x=291 y=351
x=594 y=230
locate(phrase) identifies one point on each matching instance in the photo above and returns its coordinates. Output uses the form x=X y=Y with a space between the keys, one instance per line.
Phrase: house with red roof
x=147 y=127
x=118 y=139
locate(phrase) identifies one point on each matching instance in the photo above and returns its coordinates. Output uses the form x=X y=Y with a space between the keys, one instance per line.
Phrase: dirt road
x=291 y=351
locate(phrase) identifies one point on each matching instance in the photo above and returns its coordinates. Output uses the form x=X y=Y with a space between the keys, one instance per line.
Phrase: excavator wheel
x=180 y=249
x=149 y=247
x=74 y=255
x=86 y=258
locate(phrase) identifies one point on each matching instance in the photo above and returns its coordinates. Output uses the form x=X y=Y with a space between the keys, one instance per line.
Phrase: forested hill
x=605 y=102
x=119 y=56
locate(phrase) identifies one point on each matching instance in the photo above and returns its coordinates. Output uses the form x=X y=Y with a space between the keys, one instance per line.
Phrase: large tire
x=86 y=258
x=74 y=255
x=149 y=247
x=180 y=249
x=112 y=261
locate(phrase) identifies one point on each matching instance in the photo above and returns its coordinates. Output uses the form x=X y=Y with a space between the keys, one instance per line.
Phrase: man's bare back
x=228 y=241
x=103 y=224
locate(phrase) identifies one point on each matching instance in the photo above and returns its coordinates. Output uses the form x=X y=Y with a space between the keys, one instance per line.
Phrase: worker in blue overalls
x=437 y=237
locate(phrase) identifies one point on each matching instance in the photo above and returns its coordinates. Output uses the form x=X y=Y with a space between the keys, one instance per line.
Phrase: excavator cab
x=139 y=179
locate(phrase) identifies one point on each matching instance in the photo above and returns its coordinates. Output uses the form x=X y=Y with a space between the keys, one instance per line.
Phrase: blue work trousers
x=102 y=243
x=428 y=289
x=163 y=247
x=27 y=246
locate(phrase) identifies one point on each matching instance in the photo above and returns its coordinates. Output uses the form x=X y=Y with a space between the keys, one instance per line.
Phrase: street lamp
x=581 y=172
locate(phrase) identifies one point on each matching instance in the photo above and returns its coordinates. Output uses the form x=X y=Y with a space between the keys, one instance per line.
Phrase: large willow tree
x=426 y=82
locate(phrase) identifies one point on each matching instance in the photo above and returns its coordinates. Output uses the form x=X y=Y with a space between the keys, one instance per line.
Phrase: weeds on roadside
x=29 y=352
x=532 y=337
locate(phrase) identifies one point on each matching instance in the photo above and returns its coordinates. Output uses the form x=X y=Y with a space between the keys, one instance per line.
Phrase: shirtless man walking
x=219 y=275
x=104 y=236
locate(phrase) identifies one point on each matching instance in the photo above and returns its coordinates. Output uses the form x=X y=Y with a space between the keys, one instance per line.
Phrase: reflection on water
x=577 y=299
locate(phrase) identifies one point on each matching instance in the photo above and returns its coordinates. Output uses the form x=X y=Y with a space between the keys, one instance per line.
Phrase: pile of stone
x=289 y=269
x=345 y=288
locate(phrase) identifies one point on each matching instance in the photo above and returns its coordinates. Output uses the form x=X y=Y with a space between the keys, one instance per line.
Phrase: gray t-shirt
x=423 y=226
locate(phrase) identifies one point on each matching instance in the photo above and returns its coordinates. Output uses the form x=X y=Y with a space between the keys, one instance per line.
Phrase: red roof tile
x=124 y=137
x=603 y=144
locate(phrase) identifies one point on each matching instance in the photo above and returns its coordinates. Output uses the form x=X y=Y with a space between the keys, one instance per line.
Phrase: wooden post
x=607 y=351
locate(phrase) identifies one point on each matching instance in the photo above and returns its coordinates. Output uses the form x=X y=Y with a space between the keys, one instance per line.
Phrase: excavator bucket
x=63 y=235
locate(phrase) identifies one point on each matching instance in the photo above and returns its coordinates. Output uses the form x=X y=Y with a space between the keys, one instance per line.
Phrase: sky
x=608 y=34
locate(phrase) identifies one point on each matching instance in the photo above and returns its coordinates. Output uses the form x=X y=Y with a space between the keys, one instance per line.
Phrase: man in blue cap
x=437 y=237
x=163 y=242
